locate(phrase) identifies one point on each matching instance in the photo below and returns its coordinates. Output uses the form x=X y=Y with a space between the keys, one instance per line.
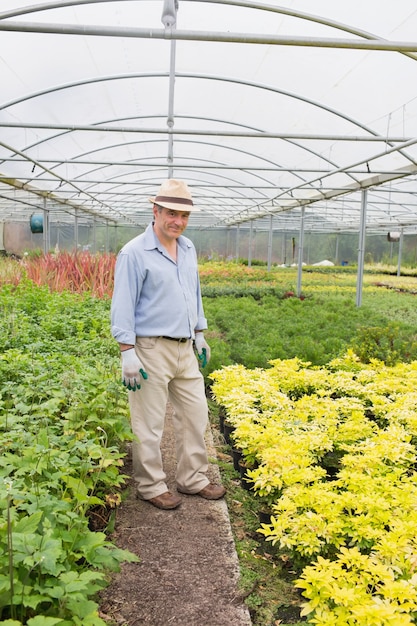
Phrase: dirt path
x=188 y=569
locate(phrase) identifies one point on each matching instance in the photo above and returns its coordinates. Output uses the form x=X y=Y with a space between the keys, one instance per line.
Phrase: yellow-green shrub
x=352 y=526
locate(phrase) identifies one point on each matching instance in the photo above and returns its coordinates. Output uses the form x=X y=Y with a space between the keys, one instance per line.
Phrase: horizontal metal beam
x=48 y=195
x=181 y=35
x=204 y=133
x=264 y=210
x=115 y=183
x=184 y=166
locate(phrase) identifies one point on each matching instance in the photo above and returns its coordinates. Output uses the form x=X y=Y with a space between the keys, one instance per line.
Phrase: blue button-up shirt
x=154 y=295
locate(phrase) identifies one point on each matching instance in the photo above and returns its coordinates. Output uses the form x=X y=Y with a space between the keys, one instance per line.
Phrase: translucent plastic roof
x=262 y=108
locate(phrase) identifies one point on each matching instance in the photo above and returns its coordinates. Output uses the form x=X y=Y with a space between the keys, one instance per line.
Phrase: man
x=158 y=320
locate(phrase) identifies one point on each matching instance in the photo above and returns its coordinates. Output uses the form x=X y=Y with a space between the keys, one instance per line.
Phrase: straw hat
x=175 y=195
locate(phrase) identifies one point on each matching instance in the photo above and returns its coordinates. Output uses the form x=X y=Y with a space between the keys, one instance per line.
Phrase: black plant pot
x=227 y=433
x=245 y=481
x=265 y=516
x=237 y=457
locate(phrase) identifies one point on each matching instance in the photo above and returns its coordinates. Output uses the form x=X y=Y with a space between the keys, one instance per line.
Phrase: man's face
x=170 y=224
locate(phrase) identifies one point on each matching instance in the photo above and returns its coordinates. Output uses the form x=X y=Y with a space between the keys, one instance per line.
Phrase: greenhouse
x=214 y=433
x=281 y=120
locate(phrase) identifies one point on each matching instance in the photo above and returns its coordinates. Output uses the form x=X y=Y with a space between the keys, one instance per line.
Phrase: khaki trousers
x=173 y=374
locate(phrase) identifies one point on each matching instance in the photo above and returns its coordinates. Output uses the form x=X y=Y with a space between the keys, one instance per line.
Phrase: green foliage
x=257 y=292
x=254 y=262
x=258 y=331
x=389 y=344
x=256 y=323
x=64 y=422
x=63 y=425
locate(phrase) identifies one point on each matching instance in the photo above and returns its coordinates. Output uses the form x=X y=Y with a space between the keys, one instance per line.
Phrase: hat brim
x=173 y=206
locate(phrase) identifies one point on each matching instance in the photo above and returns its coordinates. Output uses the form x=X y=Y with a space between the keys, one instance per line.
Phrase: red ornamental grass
x=76 y=272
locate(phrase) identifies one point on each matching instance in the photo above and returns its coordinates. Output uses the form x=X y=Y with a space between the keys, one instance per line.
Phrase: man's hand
x=131 y=368
x=203 y=349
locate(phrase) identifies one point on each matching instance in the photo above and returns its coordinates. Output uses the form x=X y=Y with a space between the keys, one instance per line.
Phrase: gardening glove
x=203 y=349
x=131 y=368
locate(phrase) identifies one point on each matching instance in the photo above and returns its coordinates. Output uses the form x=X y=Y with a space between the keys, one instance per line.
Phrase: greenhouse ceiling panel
x=267 y=110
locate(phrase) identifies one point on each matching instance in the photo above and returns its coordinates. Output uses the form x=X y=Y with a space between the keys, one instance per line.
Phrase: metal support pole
x=336 y=252
x=76 y=230
x=271 y=217
x=169 y=20
x=107 y=237
x=46 y=236
x=300 y=252
x=237 y=241
x=170 y=120
x=400 y=252
x=284 y=248
x=250 y=244
x=361 y=249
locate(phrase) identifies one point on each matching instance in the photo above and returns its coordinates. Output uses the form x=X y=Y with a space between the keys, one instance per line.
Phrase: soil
x=188 y=570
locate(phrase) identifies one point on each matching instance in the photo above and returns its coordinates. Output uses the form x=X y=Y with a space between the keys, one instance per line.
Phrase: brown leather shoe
x=165 y=501
x=212 y=492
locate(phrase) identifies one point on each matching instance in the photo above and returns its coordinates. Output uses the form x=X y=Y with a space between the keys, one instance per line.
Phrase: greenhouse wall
x=17 y=238
x=224 y=244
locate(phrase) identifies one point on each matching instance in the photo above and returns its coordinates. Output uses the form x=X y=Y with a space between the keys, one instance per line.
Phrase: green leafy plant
x=389 y=344
x=63 y=426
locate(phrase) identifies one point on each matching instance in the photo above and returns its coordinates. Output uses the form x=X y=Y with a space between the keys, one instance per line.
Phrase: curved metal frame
x=282 y=200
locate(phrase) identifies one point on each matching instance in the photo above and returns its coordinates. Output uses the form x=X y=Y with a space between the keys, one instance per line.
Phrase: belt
x=179 y=339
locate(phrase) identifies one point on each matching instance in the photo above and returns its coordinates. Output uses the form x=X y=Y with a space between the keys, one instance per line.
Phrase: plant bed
x=266 y=579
